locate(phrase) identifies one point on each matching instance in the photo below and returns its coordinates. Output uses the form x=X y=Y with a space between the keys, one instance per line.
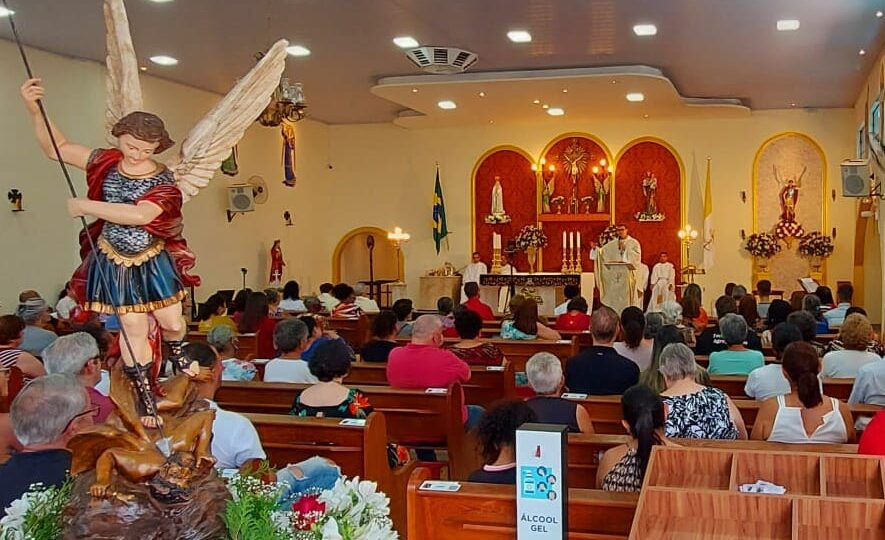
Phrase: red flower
x=307 y=510
x=359 y=403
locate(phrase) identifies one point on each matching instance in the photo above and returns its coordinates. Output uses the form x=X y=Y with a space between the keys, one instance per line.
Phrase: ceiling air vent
x=442 y=60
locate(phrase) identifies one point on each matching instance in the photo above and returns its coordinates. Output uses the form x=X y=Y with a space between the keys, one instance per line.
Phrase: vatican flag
x=708 y=221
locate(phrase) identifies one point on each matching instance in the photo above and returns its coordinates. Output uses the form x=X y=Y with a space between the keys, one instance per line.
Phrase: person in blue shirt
x=811 y=304
x=736 y=359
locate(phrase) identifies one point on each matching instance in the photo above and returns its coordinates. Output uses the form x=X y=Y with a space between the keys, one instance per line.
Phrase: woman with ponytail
x=805 y=415
x=622 y=468
x=633 y=344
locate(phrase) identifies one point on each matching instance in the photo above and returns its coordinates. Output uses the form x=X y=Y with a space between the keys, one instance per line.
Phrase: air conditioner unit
x=240 y=198
x=442 y=60
x=855 y=178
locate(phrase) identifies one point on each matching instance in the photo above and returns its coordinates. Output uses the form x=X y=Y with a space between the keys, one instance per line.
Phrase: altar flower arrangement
x=762 y=245
x=609 y=234
x=531 y=237
x=815 y=244
x=37 y=514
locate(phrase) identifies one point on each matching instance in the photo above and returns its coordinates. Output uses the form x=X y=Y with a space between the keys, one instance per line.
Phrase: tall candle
x=563 y=240
x=571 y=240
x=579 y=240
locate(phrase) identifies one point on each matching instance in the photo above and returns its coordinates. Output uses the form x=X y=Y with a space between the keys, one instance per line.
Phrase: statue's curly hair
x=144 y=127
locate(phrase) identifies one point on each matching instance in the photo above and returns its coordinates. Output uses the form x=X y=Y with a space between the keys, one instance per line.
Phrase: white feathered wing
x=122 y=81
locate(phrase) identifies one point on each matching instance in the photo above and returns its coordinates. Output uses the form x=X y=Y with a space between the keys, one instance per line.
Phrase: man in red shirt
x=473 y=302
x=423 y=364
x=576 y=318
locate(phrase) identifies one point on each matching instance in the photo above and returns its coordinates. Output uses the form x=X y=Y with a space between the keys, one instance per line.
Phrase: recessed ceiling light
x=491 y=121
x=446 y=104
x=614 y=81
x=565 y=90
x=405 y=42
x=645 y=29
x=545 y=106
x=482 y=94
x=862 y=52
x=164 y=60
x=519 y=36
x=414 y=90
x=298 y=50
x=536 y=102
x=6 y=12
x=635 y=97
x=879 y=14
x=788 y=25
x=555 y=111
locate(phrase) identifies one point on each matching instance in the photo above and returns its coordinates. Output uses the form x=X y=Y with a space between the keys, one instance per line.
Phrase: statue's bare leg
x=194 y=434
x=138 y=364
x=135 y=465
x=174 y=329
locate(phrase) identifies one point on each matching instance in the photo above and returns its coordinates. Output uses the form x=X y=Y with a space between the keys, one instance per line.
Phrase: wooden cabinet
x=692 y=493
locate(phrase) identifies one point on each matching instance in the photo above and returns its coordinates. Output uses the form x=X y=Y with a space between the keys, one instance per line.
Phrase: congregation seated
x=424 y=364
x=693 y=313
x=748 y=309
x=778 y=311
x=238 y=305
x=66 y=303
x=214 y=313
x=635 y=345
x=872 y=441
x=346 y=308
x=235 y=442
x=291 y=338
x=570 y=292
x=599 y=370
x=45 y=415
x=496 y=434
x=695 y=411
x=825 y=294
x=445 y=308
x=575 y=319
x=873 y=346
x=473 y=303
x=544 y=373
x=763 y=290
x=402 y=308
x=34 y=311
x=738 y=292
x=226 y=344
x=273 y=302
x=711 y=340
x=313 y=305
x=737 y=359
x=470 y=348
x=526 y=324
x=12 y=329
x=671 y=311
x=811 y=304
x=108 y=352
x=328 y=397
x=366 y=304
x=869 y=385
x=855 y=335
x=652 y=377
x=769 y=381
x=326 y=297
x=256 y=320
x=77 y=355
x=292 y=297
x=806 y=324
x=382 y=338
x=317 y=334
x=836 y=316
x=623 y=467
x=805 y=415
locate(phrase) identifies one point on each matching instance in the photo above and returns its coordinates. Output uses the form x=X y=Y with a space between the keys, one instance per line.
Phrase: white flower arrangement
x=354 y=510
x=493 y=219
x=530 y=236
x=37 y=514
x=763 y=245
x=815 y=244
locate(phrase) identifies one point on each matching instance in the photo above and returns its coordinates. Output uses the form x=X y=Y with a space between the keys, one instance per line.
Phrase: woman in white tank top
x=804 y=415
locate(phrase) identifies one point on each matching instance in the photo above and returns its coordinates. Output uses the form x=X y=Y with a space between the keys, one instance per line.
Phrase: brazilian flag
x=440 y=230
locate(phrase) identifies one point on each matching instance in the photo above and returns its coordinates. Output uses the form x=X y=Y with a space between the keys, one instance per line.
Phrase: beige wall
x=364 y=175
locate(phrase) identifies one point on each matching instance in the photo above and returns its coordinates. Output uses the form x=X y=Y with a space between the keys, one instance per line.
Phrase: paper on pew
x=353 y=422
x=439 y=485
x=573 y=395
x=436 y=390
x=761 y=486
x=494 y=368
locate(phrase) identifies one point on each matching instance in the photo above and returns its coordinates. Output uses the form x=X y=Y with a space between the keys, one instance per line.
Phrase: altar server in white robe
x=617 y=285
x=663 y=283
x=504 y=292
x=472 y=272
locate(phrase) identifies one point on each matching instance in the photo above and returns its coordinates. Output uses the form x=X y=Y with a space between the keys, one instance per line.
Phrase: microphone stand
x=244 y=271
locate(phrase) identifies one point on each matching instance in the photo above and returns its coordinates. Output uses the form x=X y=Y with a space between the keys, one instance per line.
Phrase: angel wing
x=210 y=141
x=122 y=83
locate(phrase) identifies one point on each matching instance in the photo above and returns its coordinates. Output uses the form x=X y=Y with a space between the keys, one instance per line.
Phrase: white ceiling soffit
x=508 y=97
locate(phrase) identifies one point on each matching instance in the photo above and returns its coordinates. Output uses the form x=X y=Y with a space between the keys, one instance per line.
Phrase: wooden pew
x=248 y=343
x=519 y=352
x=354 y=331
x=488 y=512
x=585 y=451
x=733 y=385
x=359 y=451
x=414 y=417
x=484 y=387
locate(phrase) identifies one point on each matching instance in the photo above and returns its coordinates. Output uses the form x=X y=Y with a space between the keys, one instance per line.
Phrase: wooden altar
x=546 y=287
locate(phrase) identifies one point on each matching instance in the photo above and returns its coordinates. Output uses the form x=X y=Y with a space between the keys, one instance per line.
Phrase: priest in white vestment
x=472 y=272
x=616 y=284
x=504 y=292
x=663 y=283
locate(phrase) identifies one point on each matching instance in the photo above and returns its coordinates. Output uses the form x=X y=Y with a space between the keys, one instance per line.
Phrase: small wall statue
x=650 y=210
x=498 y=214
x=276 y=265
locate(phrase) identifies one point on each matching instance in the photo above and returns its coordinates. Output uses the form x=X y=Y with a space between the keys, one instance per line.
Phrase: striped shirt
x=9 y=357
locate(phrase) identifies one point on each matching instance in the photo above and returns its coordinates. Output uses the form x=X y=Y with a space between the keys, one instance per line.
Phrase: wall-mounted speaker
x=855 y=178
x=240 y=198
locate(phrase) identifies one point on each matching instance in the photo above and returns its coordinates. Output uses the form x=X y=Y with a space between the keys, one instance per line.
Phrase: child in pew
x=622 y=468
x=496 y=434
x=329 y=398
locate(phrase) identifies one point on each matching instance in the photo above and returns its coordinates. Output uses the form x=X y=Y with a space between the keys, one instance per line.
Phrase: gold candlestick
x=576 y=264
x=496 y=260
x=566 y=268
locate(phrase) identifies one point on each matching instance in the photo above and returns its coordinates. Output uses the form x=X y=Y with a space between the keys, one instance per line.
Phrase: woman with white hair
x=737 y=359
x=544 y=372
x=35 y=313
x=672 y=313
x=695 y=411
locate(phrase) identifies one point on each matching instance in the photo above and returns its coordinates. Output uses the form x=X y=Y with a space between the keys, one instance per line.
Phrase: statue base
x=134 y=514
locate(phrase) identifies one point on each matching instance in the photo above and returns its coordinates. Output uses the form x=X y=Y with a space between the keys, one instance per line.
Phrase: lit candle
x=571 y=240
x=579 y=240
x=563 y=240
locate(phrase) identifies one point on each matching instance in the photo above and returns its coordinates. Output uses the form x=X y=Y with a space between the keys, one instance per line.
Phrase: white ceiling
x=707 y=48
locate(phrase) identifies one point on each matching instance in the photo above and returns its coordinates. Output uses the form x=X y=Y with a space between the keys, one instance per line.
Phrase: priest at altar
x=617 y=264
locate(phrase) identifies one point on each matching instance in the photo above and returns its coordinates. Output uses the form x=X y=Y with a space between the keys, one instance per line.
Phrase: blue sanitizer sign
x=542 y=492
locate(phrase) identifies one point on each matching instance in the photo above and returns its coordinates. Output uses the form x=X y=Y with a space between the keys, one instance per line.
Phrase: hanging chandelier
x=286 y=105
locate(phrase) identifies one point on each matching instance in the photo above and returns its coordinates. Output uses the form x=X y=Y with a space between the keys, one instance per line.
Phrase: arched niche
x=350 y=260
